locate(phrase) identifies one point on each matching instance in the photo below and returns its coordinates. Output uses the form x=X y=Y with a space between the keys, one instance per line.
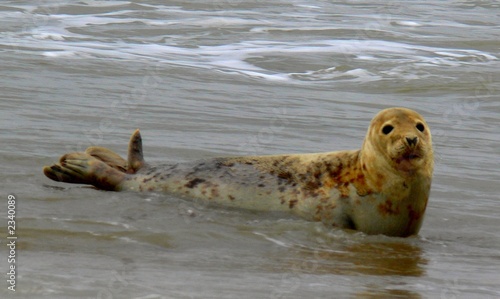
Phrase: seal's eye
x=387 y=129
x=420 y=127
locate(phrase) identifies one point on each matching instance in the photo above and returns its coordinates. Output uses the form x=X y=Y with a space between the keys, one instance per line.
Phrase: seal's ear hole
x=420 y=127
x=387 y=129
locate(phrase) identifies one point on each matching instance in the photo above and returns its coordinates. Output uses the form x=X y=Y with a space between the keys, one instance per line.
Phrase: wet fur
x=381 y=189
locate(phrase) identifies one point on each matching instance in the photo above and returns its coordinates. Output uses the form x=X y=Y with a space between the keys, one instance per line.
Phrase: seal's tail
x=98 y=166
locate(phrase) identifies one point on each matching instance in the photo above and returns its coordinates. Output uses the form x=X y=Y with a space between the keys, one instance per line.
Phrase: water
x=215 y=78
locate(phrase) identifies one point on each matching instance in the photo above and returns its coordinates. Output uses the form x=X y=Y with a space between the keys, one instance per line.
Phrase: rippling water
x=212 y=78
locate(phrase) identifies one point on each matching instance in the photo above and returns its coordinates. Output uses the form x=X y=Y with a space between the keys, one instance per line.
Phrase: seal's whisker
x=381 y=188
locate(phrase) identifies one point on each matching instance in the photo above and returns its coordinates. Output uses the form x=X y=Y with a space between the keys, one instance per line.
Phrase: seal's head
x=399 y=141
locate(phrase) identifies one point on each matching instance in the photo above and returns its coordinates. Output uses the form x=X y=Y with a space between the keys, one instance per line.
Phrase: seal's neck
x=381 y=173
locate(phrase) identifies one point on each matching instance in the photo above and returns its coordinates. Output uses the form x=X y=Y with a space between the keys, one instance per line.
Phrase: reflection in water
x=382 y=258
x=363 y=259
x=386 y=259
x=380 y=293
x=207 y=78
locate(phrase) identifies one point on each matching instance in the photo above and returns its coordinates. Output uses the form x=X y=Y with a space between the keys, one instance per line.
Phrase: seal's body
x=381 y=189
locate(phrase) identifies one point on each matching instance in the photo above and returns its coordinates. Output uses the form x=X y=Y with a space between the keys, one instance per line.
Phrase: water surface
x=213 y=78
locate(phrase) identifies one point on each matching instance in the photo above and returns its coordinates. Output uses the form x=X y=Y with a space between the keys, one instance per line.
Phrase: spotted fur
x=381 y=189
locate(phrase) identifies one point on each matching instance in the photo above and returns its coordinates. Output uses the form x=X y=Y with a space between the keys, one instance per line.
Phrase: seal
x=382 y=188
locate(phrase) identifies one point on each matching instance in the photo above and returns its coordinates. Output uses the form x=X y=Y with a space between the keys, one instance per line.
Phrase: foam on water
x=59 y=39
x=233 y=58
x=408 y=23
x=253 y=77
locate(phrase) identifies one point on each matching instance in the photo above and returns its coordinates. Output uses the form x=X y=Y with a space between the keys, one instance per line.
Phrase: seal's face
x=402 y=137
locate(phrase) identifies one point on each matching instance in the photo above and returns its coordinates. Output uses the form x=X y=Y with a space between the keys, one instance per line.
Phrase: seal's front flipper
x=135 y=157
x=108 y=156
x=82 y=168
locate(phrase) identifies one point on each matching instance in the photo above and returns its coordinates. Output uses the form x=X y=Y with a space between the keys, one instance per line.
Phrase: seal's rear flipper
x=82 y=168
x=135 y=157
x=108 y=156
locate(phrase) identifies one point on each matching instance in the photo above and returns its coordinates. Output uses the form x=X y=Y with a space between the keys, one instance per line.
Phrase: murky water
x=215 y=78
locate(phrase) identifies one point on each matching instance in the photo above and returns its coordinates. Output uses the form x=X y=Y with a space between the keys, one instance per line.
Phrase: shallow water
x=214 y=78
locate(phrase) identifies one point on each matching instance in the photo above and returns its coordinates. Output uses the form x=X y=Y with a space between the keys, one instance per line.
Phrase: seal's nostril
x=412 y=141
